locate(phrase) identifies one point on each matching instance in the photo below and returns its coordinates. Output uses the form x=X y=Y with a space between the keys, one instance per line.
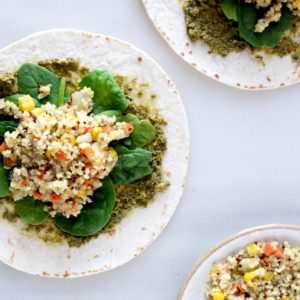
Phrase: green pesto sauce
x=206 y=21
x=129 y=196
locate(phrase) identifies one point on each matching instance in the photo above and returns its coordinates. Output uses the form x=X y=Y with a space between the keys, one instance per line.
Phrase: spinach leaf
x=229 y=8
x=109 y=113
x=94 y=216
x=7 y=126
x=31 y=77
x=143 y=132
x=4 y=180
x=132 y=165
x=107 y=93
x=15 y=99
x=248 y=16
x=31 y=211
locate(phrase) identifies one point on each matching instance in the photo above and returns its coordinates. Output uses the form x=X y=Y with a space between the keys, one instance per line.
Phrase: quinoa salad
x=71 y=149
x=261 y=270
x=60 y=155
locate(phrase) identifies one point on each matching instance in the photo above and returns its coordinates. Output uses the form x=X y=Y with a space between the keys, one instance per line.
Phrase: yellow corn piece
x=98 y=161
x=37 y=111
x=26 y=103
x=298 y=4
x=218 y=296
x=48 y=153
x=95 y=133
x=114 y=154
x=285 y=298
x=250 y=276
x=214 y=270
x=72 y=140
x=81 y=194
x=252 y=249
x=268 y=276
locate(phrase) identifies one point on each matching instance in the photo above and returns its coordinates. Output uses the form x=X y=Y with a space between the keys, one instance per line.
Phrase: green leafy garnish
x=94 y=216
x=61 y=92
x=143 y=132
x=31 y=77
x=229 y=8
x=248 y=16
x=107 y=93
x=4 y=181
x=7 y=126
x=110 y=113
x=31 y=211
x=132 y=165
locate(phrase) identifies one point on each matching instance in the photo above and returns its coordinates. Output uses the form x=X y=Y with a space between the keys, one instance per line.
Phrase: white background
x=244 y=163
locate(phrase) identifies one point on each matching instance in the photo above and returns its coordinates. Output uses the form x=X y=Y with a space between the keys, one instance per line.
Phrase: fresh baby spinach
x=109 y=113
x=229 y=8
x=248 y=17
x=143 y=132
x=9 y=125
x=4 y=180
x=31 y=211
x=107 y=93
x=94 y=216
x=132 y=165
x=31 y=77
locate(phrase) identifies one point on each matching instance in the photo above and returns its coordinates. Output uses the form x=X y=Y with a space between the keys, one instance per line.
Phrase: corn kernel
x=26 y=103
x=95 y=133
x=298 y=4
x=98 y=161
x=250 y=276
x=214 y=270
x=268 y=276
x=218 y=296
x=48 y=153
x=252 y=249
x=72 y=140
x=114 y=154
x=81 y=194
x=285 y=298
x=37 y=111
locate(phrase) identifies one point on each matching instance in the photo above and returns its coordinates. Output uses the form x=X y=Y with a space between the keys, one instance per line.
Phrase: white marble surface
x=244 y=164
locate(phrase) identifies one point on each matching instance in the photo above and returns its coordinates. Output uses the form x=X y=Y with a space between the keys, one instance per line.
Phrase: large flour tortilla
x=136 y=232
x=241 y=70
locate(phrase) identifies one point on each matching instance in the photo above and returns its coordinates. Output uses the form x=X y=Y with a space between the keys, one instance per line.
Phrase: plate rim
x=224 y=242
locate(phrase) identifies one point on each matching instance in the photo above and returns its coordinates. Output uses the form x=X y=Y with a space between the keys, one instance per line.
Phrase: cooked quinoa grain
x=262 y=270
x=60 y=155
x=274 y=11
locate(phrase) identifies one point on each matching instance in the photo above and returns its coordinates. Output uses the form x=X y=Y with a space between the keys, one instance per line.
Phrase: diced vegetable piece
x=95 y=133
x=26 y=103
x=252 y=249
x=61 y=156
x=89 y=151
x=218 y=296
x=268 y=249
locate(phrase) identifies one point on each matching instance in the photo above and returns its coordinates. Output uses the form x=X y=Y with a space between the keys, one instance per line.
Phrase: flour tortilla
x=241 y=70
x=137 y=231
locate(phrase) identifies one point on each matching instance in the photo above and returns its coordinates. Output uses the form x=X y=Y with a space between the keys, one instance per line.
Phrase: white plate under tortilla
x=194 y=285
x=241 y=70
x=137 y=231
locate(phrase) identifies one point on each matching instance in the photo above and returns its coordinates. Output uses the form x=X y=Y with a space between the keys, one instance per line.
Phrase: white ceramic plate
x=241 y=70
x=195 y=284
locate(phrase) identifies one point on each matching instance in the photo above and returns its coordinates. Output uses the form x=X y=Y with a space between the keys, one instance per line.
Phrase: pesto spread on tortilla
x=232 y=26
x=132 y=188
